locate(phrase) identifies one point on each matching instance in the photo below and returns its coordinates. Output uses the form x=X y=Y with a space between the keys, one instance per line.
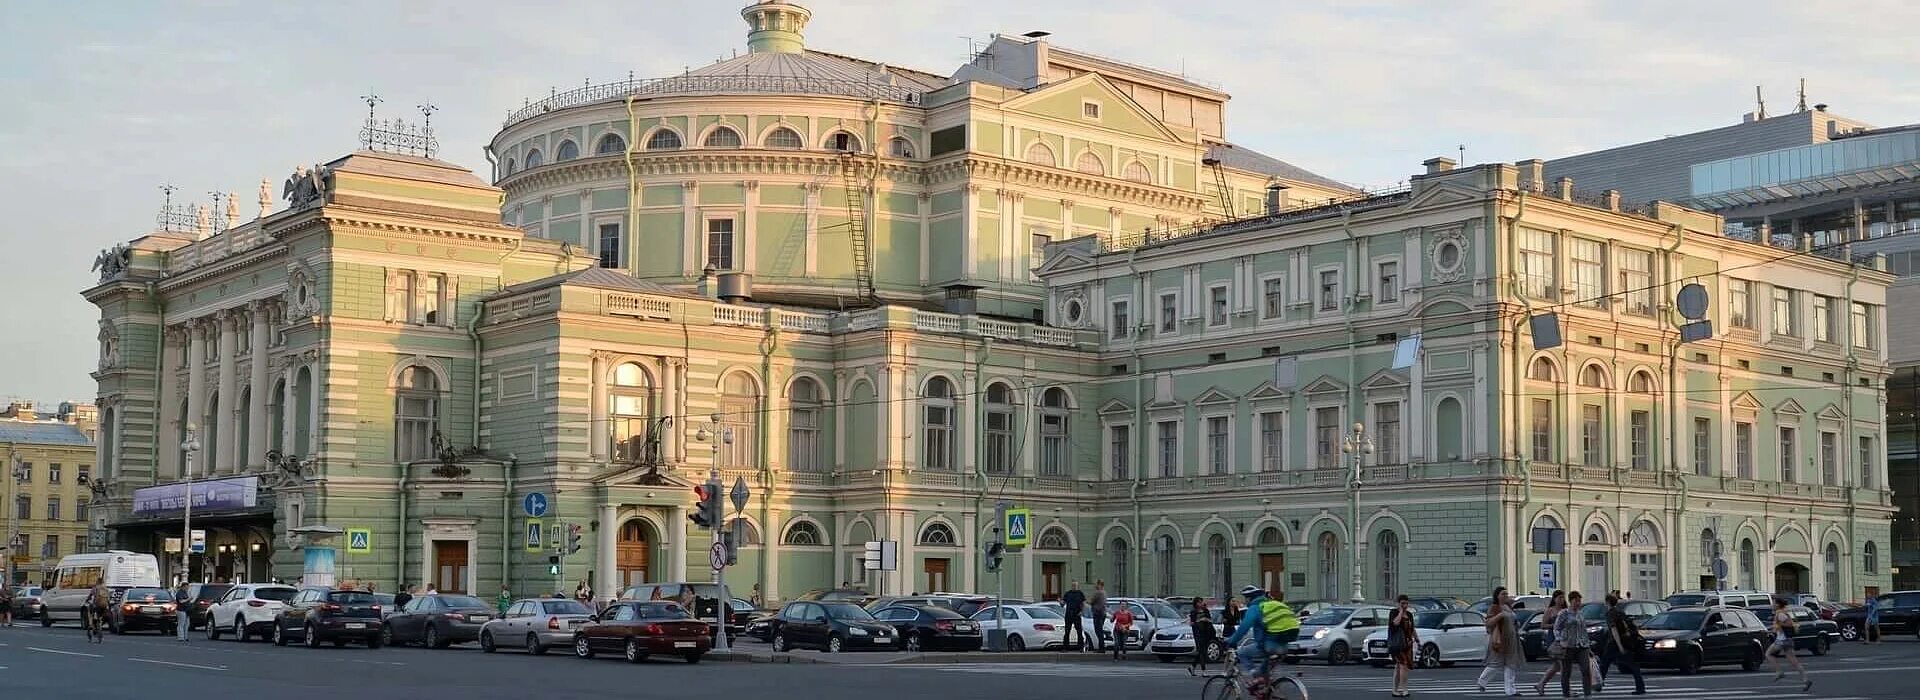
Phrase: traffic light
x=553 y=565
x=995 y=553
x=573 y=538
x=706 y=507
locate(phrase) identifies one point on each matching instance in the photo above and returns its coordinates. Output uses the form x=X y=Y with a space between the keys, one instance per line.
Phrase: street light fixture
x=1358 y=444
x=189 y=448
x=721 y=611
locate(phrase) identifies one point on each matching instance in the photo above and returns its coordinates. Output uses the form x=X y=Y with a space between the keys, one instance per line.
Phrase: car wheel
x=1337 y=654
x=1216 y=652
x=692 y=658
x=1850 y=633
x=240 y=630
x=433 y=640
x=633 y=652
x=1821 y=645
x=780 y=642
x=1016 y=643
x=581 y=648
x=1429 y=656
x=213 y=630
x=279 y=634
x=486 y=642
x=834 y=644
x=45 y=619
x=312 y=637
x=1690 y=662
x=386 y=635
x=115 y=626
x=1754 y=658
x=534 y=646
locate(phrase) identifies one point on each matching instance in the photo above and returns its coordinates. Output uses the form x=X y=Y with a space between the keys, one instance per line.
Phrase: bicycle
x=95 y=626
x=1232 y=686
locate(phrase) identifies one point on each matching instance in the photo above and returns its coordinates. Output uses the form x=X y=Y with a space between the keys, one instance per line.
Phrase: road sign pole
x=722 y=605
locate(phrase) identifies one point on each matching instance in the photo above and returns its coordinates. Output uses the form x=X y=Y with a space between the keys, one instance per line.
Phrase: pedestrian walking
x=1230 y=620
x=1622 y=646
x=6 y=605
x=1400 y=639
x=505 y=600
x=1072 y=604
x=1783 y=647
x=1504 y=654
x=1201 y=622
x=432 y=591
x=584 y=593
x=1871 y=634
x=1556 y=652
x=1571 y=632
x=753 y=597
x=1098 y=604
x=401 y=599
x=1122 y=629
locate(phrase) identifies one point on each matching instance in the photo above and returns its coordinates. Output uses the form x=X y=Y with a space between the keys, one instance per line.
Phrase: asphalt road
x=59 y=663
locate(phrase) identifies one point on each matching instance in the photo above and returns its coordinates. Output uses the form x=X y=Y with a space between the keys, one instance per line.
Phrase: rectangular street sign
x=534 y=532
x=1019 y=521
x=359 y=541
x=198 y=545
x=1547 y=571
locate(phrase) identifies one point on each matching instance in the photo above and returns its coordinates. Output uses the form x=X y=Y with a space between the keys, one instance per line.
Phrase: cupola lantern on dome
x=776 y=26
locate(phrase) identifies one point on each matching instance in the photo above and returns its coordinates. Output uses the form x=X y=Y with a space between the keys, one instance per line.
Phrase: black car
x=931 y=627
x=144 y=609
x=316 y=615
x=836 y=595
x=1810 y=633
x=761 y=626
x=833 y=627
x=1899 y=614
x=1689 y=638
x=199 y=598
x=438 y=621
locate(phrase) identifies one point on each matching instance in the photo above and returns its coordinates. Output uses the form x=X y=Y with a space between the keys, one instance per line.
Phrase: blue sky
x=109 y=100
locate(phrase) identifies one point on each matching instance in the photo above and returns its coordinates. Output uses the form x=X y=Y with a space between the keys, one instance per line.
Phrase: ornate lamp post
x=1358 y=444
x=190 y=447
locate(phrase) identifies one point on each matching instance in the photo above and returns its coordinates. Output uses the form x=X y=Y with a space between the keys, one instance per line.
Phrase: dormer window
x=843 y=142
x=900 y=148
x=1090 y=110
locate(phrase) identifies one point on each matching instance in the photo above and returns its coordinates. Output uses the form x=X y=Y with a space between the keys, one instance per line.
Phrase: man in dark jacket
x=1072 y=603
x=1621 y=645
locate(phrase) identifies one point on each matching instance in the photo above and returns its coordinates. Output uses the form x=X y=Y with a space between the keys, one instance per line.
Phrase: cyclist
x=1263 y=632
x=98 y=602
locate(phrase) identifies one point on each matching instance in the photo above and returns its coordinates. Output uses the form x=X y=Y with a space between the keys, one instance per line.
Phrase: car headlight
x=1665 y=644
x=1186 y=637
x=856 y=631
x=1322 y=634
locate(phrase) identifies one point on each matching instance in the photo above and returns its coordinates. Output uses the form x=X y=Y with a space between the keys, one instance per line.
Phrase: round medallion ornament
x=1449 y=256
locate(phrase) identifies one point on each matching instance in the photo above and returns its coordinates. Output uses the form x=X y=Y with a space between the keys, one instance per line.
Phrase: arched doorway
x=633 y=555
x=1790 y=578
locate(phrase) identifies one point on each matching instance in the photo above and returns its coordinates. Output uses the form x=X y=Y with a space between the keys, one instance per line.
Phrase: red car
x=637 y=629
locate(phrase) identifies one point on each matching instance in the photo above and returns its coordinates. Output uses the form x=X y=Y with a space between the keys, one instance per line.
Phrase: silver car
x=535 y=624
x=1336 y=634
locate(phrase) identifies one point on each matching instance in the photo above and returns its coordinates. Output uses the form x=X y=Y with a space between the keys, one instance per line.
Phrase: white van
x=74 y=579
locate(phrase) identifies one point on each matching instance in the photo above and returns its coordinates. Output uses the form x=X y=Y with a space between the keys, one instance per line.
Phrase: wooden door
x=632 y=555
x=1050 y=574
x=1273 y=572
x=936 y=571
x=450 y=565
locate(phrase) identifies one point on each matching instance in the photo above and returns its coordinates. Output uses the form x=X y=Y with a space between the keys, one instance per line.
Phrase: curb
x=856 y=659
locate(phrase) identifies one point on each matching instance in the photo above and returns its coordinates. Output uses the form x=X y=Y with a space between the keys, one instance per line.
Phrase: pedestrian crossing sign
x=534 y=532
x=359 y=541
x=1018 y=525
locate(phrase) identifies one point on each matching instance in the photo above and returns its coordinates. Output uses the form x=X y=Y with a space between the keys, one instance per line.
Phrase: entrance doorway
x=1050 y=574
x=1791 y=578
x=936 y=574
x=1273 y=572
x=633 y=554
x=450 y=566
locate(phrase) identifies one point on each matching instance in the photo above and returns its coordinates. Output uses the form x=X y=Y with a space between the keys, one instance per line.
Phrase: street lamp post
x=722 y=606
x=1358 y=444
x=15 y=477
x=182 y=617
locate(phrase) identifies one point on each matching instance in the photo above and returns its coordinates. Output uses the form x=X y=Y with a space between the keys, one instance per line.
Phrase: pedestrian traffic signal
x=706 y=507
x=553 y=559
x=573 y=538
x=995 y=553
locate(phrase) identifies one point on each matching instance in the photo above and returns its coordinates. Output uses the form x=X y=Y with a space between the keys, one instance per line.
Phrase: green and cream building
x=890 y=299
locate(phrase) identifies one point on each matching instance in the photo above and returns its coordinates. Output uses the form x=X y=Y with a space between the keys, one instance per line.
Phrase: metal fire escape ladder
x=1220 y=186
x=852 y=171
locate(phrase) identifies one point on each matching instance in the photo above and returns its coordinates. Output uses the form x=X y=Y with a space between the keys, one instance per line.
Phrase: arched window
x=277 y=417
x=735 y=446
x=748 y=534
x=999 y=429
x=1053 y=538
x=302 y=412
x=1090 y=164
x=415 y=414
x=568 y=150
x=1219 y=571
x=1122 y=561
x=664 y=140
x=937 y=534
x=1040 y=154
x=723 y=137
x=1386 y=550
x=1644 y=561
x=109 y=444
x=1449 y=424
x=1591 y=376
x=1329 y=566
x=1272 y=537
x=900 y=148
x=843 y=142
x=1640 y=383
x=1747 y=577
x=803 y=533
x=1832 y=562
x=630 y=405
x=209 y=435
x=1542 y=370
x=1054 y=413
x=936 y=425
x=534 y=159
x=1164 y=551
x=610 y=145
x=1137 y=172
x=244 y=440
x=1870 y=559
x=804 y=452
x=1707 y=542
x=785 y=139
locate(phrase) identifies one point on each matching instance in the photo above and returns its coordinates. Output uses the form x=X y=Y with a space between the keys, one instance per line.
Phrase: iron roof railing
x=1360 y=202
x=715 y=84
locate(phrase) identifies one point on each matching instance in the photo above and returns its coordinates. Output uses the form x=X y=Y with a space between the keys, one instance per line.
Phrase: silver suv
x=1336 y=634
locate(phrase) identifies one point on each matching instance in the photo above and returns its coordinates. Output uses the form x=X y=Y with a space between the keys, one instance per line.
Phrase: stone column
x=606 y=545
x=597 y=416
x=677 y=544
x=288 y=373
x=770 y=533
x=167 y=418
x=969 y=579
x=671 y=439
x=313 y=446
x=227 y=325
x=257 y=423
x=196 y=380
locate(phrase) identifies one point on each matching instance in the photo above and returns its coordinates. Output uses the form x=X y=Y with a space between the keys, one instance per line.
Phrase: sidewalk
x=761 y=654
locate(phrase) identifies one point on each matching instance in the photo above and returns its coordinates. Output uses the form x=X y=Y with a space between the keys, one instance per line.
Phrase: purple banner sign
x=208 y=496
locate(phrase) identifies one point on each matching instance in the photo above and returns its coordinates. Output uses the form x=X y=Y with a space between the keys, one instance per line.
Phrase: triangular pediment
x=1118 y=111
x=1832 y=412
x=1267 y=392
x=1064 y=261
x=1326 y=385
x=1746 y=401
x=1213 y=396
x=1384 y=379
x=1441 y=195
x=1115 y=407
x=1790 y=406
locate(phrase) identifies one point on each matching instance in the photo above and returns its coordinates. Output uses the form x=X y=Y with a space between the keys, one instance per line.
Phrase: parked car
x=1444 y=637
x=387 y=608
x=143 y=609
x=837 y=595
x=438 y=621
x=931 y=627
x=1150 y=617
x=1308 y=608
x=963 y=604
x=75 y=575
x=1752 y=600
x=248 y=609
x=761 y=626
x=706 y=600
x=1520 y=602
x=1899 y=614
x=26 y=602
x=1533 y=632
x=1335 y=634
x=1829 y=608
x=833 y=627
x=535 y=624
x=199 y=598
x=637 y=629
x=1810 y=633
x=1689 y=638
x=740 y=611
x=1028 y=626
x=316 y=615
x=1438 y=603
x=1176 y=642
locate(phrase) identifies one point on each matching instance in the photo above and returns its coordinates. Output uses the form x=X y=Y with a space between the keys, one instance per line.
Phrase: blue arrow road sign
x=535 y=504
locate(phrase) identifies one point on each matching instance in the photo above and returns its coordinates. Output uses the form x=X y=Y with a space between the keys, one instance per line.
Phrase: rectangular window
x=1536 y=264
x=399 y=296
x=1823 y=318
x=53 y=473
x=1122 y=320
x=1273 y=441
x=1863 y=326
x=1389 y=281
x=50 y=548
x=1326 y=437
x=999 y=457
x=1386 y=429
x=1703 y=446
x=1218 y=442
x=1217 y=306
x=1789 y=450
x=1783 y=315
x=1329 y=290
x=1866 y=462
x=1090 y=110
x=1169 y=312
x=1542 y=430
x=720 y=244
x=610 y=246
x=1640 y=439
x=1589 y=261
x=80 y=511
x=1053 y=444
x=53 y=509
x=1829 y=458
x=938 y=452
x=803 y=438
x=23 y=507
x=1592 y=437
x=429 y=301
x=1037 y=248
x=84 y=473
x=1273 y=297
x=1636 y=281
x=1121 y=450
x=1168 y=437
x=1740 y=303
x=1743 y=450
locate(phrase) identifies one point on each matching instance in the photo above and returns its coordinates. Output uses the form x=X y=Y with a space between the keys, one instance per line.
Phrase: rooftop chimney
x=1276 y=198
x=735 y=287
x=1533 y=176
x=1439 y=165
x=21 y=410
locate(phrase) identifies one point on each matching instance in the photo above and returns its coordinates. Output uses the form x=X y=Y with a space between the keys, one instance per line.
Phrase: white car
x=248 y=609
x=1445 y=637
x=1334 y=634
x=1176 y=643
x=1150 y=615
x=1028 y=626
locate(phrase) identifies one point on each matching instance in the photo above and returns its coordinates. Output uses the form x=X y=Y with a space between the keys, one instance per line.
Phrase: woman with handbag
x=1400 y=642
x=1555 y=650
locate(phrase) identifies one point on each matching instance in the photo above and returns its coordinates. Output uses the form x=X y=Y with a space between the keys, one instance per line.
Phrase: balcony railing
x=1360 y=202
x=714 y=85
